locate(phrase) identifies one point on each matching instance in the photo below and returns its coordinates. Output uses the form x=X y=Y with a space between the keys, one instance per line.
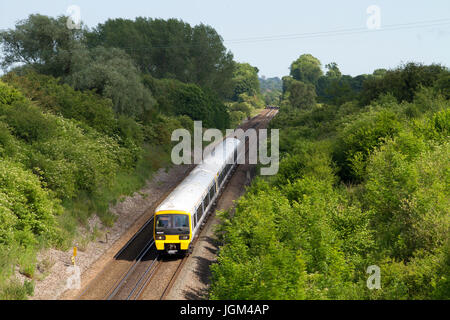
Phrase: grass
x=10 y=287
x=27 y=262
x=14 y=290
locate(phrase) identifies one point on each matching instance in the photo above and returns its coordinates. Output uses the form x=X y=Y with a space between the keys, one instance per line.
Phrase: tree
x=333 y=70
x=176 y=98
x=112 y=74
x=301 y=95
x=402 y=82
x=306 y=69
x=335 y=88
x=443 y=85
x=245 y=79
x=379 y=73
x=43 y=42
x=212 y=64
x=170 y=49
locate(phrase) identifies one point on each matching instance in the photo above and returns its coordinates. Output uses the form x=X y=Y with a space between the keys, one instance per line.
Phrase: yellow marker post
x=74 y=255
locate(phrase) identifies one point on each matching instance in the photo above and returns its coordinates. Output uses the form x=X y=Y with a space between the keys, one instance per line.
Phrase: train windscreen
x=172 y=224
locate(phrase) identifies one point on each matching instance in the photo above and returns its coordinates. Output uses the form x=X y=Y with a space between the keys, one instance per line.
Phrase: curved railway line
x=137 y=263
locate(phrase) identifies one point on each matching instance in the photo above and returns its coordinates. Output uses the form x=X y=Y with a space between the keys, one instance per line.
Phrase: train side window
x=211 y=192
x=194 y=221
x=199 y=212
x=202 y=212
x=206 y=201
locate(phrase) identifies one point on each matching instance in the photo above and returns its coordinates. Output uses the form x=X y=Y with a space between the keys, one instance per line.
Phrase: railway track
x=144 y=260
x=119 y=290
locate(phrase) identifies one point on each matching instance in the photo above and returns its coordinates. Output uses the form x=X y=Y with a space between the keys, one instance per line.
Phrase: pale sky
x=355 y=53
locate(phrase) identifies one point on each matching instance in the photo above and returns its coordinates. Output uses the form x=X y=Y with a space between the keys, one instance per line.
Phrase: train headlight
x=184 y=237
x=160 y=237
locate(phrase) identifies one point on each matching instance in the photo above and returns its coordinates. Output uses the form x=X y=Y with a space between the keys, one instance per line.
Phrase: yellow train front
x=172 y=231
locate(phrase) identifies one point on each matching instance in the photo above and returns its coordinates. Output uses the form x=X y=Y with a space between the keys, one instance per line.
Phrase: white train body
x=178 y=218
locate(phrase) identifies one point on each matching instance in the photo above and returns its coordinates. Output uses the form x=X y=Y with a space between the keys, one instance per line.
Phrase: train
x=177 y=220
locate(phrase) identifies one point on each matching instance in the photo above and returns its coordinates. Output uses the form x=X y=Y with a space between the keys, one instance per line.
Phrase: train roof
x=187 y=195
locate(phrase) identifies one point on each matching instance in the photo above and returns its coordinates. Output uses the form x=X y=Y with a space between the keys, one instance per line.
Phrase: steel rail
x=150 y=267
x=127 y=274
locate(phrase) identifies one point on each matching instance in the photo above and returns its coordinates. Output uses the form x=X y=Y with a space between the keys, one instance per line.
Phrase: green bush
x=69 y=158
x=409 y=195
x=423 y=277
x=28 y=210
x=9 y=95
x=435 y=127
x=242 y=107
x=27 y=122
x=277 y=248
x=359 y=138
x=61 y=99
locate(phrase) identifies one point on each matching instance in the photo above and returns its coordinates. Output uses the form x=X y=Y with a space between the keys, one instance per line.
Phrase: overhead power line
x=330 y=33
x=338 y=32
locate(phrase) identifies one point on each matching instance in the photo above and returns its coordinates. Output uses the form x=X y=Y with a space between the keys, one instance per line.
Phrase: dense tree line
x=170 y=49
x=360 y=183
x=112 y=58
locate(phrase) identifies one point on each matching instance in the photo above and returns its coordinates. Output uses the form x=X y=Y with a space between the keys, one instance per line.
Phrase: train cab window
x=172 y=224
x=163 y=222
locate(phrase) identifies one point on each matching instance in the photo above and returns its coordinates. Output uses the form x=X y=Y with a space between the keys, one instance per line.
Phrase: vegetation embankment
x=363 y=180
